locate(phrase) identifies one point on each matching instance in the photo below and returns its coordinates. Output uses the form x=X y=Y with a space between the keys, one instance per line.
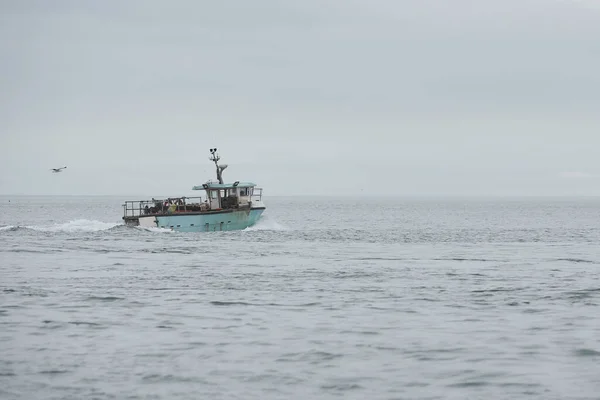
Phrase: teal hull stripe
x=229 y=221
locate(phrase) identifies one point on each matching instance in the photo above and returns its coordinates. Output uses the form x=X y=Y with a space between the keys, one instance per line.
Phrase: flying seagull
x=55 y=170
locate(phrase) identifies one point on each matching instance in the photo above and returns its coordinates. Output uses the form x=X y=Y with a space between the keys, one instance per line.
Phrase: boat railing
x=256 y=194
x=137 y=208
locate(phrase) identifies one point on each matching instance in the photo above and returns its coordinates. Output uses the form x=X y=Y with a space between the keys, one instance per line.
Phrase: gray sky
x=391 y=97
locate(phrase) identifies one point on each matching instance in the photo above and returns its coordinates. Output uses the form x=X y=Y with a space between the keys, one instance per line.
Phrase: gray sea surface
x=354 y=298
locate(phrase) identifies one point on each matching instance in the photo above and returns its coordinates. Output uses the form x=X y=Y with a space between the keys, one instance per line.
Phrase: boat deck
x=138 y=208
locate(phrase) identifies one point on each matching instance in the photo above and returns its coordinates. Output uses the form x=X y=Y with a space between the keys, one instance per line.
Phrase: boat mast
x=215 y=158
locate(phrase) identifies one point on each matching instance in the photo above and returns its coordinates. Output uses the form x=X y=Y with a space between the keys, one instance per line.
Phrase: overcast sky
x=391 y=97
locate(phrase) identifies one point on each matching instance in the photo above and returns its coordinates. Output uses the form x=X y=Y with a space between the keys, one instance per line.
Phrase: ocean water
x=325 y=298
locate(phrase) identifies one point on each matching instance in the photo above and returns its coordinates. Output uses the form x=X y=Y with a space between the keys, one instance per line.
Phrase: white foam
x=267 y=224
x=154 y=229
x=6 y=228
x=78 y=225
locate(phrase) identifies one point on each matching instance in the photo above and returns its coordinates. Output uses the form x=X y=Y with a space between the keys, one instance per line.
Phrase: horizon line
x=329 y=195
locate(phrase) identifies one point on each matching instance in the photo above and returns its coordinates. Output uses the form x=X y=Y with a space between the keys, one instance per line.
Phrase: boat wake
x=86 y=225
x=79 y=225
x=153 y=229
x=267 y=224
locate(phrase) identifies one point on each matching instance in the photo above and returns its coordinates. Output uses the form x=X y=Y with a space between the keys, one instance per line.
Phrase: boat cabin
x=224 y=196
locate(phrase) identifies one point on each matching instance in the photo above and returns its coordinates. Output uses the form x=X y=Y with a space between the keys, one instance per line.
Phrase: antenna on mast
x=215 y=158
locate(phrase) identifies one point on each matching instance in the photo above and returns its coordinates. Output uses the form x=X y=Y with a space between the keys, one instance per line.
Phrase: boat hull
x=226 y=220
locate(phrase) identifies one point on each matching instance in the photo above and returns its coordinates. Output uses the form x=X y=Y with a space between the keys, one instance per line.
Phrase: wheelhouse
x=230 y=195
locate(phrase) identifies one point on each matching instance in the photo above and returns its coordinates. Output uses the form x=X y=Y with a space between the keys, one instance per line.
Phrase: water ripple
x=344 y=299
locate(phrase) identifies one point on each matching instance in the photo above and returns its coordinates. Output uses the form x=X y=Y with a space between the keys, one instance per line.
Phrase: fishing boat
x=225 y=207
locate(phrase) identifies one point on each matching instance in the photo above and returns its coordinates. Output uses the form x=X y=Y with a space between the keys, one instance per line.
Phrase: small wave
x=582 y=294
x=314 y=356
x=84 y=323
x=267 y=224
x=53 y=371
x=157 y=378
x=576 y=260
x=105 y=298
x=154 y=229
x=494 y=290
x=469 y=384
x=587 y=353
x=465 y=259
x=78 y=225
x=8 y=228
x=342 y=387
x=182 y=250
x=243 y=303
x=230 y=303
x=34 y=251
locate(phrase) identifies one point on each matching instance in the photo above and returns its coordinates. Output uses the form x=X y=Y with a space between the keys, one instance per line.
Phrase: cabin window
x=250 y=191
x=244 y=192
x=213 y=194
